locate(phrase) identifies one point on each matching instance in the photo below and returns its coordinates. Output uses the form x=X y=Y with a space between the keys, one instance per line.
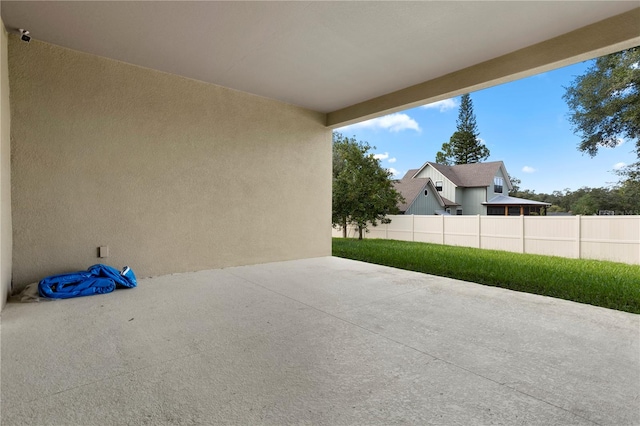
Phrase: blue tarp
x=98 y=279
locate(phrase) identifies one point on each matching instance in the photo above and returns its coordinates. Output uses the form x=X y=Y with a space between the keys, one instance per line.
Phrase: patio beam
x=601 y=38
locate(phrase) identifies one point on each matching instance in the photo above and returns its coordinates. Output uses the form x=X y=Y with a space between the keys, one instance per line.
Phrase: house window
x=497 y=184
x=438 y=185
x=426 y=192
x=459 y=212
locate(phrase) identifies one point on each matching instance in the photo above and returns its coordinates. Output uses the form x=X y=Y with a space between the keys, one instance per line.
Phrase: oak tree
x=363 y=192
x=605 y=102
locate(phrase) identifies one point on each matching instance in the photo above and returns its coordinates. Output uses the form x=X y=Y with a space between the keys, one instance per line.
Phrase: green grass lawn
x=607 y=284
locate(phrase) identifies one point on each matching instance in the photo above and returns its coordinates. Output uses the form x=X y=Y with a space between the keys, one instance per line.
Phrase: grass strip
x=600 y=283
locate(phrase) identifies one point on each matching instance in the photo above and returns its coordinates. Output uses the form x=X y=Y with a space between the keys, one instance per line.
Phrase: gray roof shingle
x=503 y=200
x=410 y=189
x=410 y=174
x=468 y=175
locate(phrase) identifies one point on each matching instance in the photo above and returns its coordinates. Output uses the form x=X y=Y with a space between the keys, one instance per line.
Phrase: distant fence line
x=614 y=238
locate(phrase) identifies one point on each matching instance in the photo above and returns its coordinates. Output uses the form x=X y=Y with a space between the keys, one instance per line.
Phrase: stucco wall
x=172 y=174
x=5 y=172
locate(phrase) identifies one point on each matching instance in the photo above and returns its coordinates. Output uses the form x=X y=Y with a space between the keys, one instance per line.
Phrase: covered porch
x=196 y=136
x=185 y=136
x=503 y=205
x=320 y=341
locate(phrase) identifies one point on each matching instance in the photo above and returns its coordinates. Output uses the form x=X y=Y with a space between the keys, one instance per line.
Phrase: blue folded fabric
x=98 y=279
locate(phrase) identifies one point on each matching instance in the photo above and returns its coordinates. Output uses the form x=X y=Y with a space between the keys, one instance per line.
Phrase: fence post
x=578 y=236
x=442 y=240
x=479 y=232
x=522 y=233
x=413 y=227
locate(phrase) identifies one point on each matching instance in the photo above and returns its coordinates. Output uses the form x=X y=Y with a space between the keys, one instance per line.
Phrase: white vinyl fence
x=614 y=238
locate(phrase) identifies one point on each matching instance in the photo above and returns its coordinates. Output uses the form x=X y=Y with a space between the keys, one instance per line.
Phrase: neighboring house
x=465 y=189
x=421 y=196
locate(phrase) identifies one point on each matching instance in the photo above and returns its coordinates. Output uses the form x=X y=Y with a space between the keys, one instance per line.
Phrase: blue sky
x=523 y=123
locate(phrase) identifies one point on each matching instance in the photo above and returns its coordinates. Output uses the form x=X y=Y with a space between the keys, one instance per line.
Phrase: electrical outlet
x=103 y=251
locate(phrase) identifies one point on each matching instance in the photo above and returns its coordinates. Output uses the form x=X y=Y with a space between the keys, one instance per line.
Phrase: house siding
x=459 y=198
x=448 y=187
x=472 y=201
x=505 y=187
x=425 y=205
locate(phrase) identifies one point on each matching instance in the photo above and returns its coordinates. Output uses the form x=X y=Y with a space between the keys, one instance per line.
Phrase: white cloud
x=393 y=122
x=385 y=156
x=381 y=156
x=528 y=169
x=619 y=166
x=443 y=106
x=394 y=172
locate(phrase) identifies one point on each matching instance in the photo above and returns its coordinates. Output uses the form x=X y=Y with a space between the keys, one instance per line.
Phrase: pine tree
x=464 y=147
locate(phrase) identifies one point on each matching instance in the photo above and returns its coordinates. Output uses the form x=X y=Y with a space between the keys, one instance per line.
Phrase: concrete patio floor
x=317 y=341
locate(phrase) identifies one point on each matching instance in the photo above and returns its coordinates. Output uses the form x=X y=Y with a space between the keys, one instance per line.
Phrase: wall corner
x=6 y=230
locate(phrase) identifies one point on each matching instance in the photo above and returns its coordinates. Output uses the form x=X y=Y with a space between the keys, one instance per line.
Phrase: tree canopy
x=363 y=191
x=515 y=185
x=605 y=102
x=605 y=111
x=622 y=199
x=464 y=146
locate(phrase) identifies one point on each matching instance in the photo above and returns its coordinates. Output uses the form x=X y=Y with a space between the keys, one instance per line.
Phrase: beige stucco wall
x=172 y=174
x=5 y=172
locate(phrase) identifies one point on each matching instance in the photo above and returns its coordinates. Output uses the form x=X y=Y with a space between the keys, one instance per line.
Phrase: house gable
x=428 y=201
x=439 y=174
x=421 y=196
x=501 y=173
x=410 y=190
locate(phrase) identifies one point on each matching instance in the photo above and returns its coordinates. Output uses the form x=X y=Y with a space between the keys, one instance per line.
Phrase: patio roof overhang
x=503 y=200
x=350 y=60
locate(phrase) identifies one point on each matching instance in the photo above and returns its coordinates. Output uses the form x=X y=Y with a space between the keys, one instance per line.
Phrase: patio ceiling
x=352 y=60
